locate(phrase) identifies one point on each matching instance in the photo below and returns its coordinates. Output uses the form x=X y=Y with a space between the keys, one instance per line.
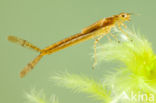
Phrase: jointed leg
x=125 y=26
x=109 y=38
x=115 y=37
x=123 y=31
x=95 y=42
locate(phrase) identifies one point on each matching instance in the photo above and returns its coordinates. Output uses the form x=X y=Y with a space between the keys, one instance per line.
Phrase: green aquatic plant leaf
x=84 y=84
x=138 y=72
x=39 y=97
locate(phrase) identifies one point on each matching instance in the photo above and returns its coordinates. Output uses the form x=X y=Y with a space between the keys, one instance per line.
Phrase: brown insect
x=96 y=30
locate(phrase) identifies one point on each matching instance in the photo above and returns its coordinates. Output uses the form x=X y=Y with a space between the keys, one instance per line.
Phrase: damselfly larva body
x=96 y=30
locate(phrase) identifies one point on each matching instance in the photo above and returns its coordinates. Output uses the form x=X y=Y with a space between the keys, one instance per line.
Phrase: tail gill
x=31 y=65
x=23 y=43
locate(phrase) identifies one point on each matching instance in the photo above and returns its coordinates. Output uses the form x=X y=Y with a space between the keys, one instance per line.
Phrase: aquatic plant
x=132 y=81
x=39 y=97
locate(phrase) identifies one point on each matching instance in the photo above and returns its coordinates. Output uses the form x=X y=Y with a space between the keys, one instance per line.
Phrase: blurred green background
x=43 y=22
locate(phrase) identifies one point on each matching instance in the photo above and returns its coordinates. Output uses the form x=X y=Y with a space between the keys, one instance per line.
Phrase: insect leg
x=115 y=37
x=23 y=43
x=109 y=38
x=125 y=26
x=123 y=31
x=95 y=42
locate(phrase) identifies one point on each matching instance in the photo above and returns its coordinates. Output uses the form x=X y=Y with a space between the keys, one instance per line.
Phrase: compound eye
x=123 y=15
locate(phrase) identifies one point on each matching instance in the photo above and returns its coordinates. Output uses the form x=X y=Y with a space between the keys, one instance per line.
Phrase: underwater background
x=44 y=22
